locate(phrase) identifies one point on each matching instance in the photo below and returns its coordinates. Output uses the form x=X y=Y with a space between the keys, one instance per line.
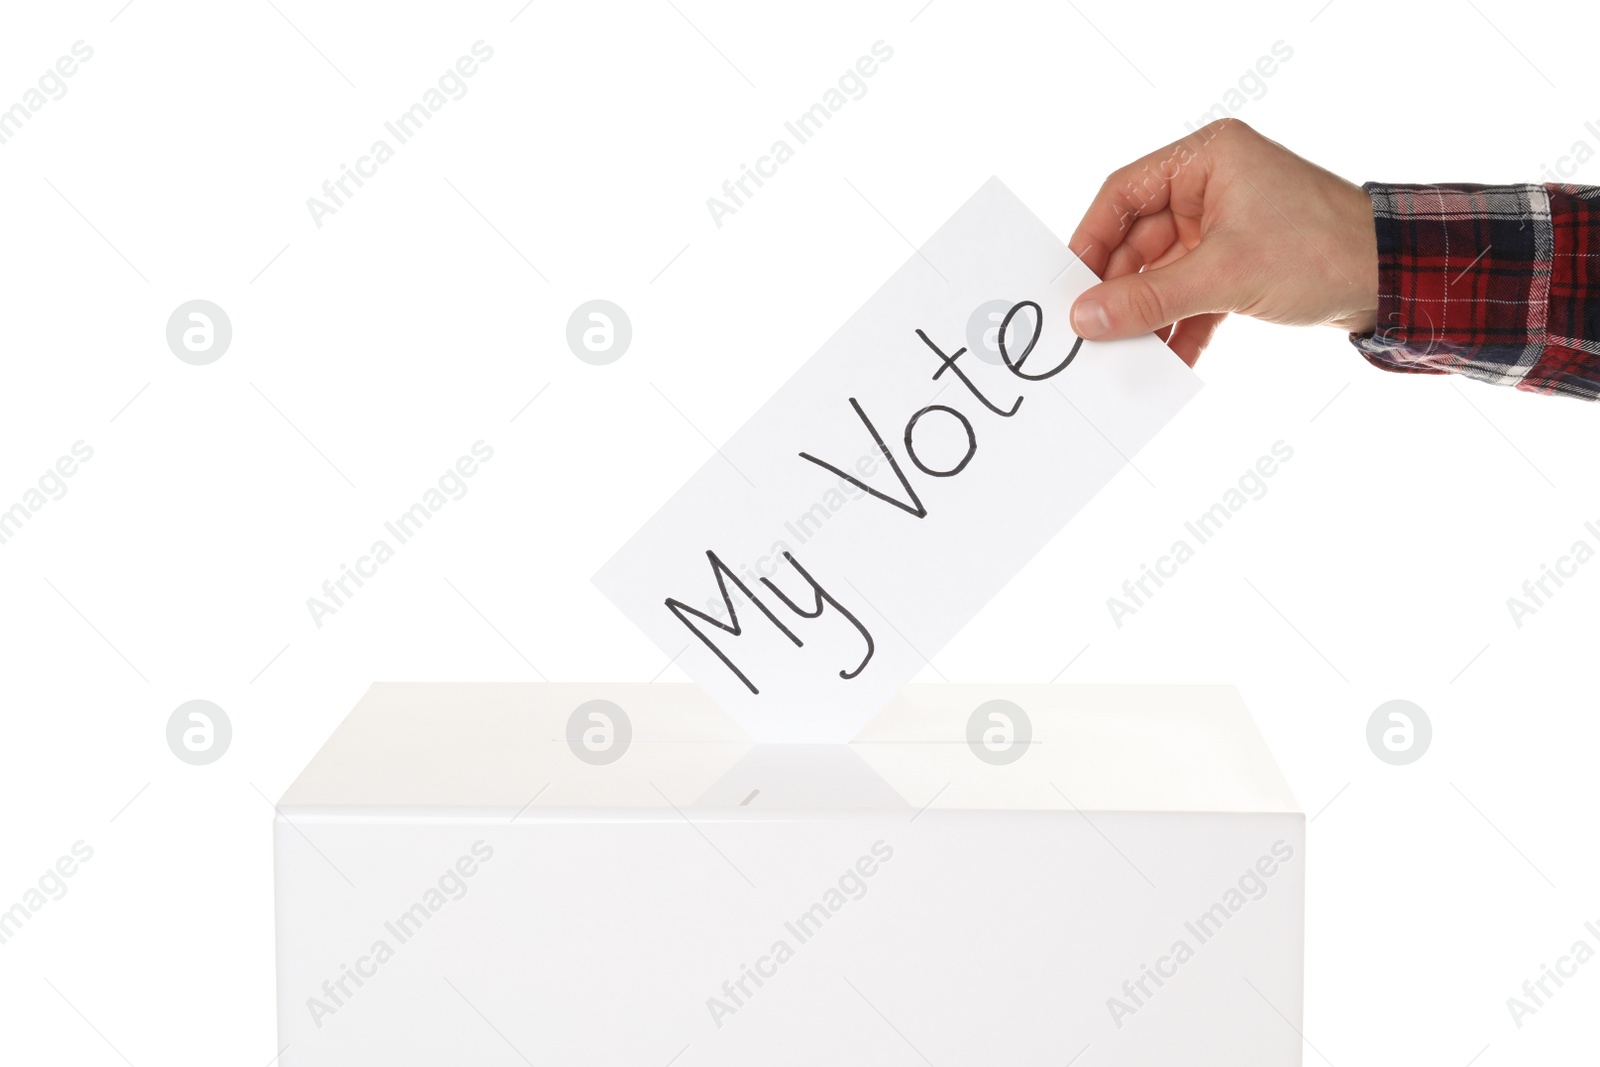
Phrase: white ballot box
x=614 y=874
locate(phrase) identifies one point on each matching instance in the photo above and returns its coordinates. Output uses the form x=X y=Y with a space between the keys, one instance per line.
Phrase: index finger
x=1166 y=177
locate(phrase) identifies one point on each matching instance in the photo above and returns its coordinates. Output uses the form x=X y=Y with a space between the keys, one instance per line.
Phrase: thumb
x=1134 y=304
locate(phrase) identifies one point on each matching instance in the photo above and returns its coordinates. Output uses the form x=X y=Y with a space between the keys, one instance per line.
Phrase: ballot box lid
x=540 y=751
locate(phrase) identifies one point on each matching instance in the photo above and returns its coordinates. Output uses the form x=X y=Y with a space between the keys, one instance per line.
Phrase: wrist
x=1358 y=262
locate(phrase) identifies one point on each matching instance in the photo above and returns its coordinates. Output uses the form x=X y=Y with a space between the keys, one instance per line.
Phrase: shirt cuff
x=1495 y=282
x=1463 y=279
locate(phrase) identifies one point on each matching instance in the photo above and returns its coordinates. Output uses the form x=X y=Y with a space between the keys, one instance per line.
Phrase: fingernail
x=1089 y=319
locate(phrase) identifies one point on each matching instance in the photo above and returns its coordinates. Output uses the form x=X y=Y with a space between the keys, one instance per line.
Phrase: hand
x=1225 y=220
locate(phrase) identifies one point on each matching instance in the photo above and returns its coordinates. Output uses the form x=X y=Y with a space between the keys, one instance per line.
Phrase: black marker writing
x=723 y=573
x=972 y=442
x=911 y=505
x=914 y=508
x=949 y=363
x=1038 y=328
x=821 y=598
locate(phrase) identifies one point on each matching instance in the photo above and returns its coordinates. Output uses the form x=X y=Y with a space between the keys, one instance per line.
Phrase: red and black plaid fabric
x=1496 y=282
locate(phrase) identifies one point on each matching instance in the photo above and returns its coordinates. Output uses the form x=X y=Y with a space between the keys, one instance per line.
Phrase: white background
x=371 y=353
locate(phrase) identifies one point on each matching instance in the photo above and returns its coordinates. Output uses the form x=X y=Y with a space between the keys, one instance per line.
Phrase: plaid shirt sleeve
x=1496 y=282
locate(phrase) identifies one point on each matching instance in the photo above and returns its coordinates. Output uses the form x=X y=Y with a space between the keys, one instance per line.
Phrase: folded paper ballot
x=608 y=874
x=896 y=482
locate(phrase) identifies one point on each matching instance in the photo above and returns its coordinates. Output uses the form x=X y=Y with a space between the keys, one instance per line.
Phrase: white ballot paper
x=893 y=485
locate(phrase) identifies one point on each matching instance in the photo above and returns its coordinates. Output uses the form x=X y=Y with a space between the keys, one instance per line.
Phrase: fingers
x=1191 y=336
x=1148 y=241
x=1144 y=302
x=1171 y=177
